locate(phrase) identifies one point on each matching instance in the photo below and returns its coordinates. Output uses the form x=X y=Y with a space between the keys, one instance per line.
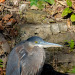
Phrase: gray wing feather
x=14 y=65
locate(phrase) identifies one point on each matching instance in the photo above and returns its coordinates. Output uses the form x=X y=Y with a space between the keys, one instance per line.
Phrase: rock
x=48 y=21
x=63 y=27
x=55 y=28
x=32 y=30
x=45 y=31
x=65 y=57
x=23 y=7
x=63 y=61
x=34 y=17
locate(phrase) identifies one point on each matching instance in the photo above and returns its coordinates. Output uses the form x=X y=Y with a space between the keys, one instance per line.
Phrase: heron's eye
x=36 y=42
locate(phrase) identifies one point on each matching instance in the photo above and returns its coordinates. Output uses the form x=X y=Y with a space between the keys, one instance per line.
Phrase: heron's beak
x=47 y=44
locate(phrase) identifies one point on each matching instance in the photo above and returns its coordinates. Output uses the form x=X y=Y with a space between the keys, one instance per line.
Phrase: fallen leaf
x=6 y=17
x=69 y=23
x=60 y=8
x=1 y=71
x=11 y=21
x=13 y=32
x=0 y=8
x=62 y=2
x=73 y=5
x=1 y=27
x=4 y=71
x=1 y=51
x=34 y=7
x=2 y=1
x=58 y=16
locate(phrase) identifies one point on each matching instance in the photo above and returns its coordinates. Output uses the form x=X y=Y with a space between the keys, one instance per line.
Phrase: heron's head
x=37 y=41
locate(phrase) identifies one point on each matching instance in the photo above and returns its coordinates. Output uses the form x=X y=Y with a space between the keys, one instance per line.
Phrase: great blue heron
x=28 y=57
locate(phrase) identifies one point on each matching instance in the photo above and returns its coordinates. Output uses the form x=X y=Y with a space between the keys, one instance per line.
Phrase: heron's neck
x=28 y=47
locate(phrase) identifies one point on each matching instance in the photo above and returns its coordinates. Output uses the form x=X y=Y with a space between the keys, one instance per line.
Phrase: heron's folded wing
x=14 y=61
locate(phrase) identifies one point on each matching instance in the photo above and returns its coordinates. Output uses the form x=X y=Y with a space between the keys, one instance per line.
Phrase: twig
x=14 y=9
x=5 y=5
x=63 y=4
x=25 y=2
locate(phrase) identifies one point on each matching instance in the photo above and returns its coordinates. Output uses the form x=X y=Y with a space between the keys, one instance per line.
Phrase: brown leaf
x=6 y=17
x=0 y=8
x=73 y=5
x=11 y=21
x=1 y=27
x=34 y=7
x=2 y=1
x=69 y=23
x=58 y=16
x=4 y=71
x=60 y=8
x=13 y=32
x=1 y=71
